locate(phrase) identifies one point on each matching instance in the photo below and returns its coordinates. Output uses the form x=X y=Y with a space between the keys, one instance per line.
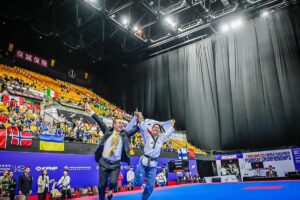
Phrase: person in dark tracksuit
x=25 y=183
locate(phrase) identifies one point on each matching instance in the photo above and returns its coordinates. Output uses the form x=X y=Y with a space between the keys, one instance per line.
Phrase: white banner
x=281 y=161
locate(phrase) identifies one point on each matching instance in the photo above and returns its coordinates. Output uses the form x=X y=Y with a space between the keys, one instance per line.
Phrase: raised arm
x=131 y=124
x=132 y=127
x=144 y=131
x=99 y=121
x=60 y=181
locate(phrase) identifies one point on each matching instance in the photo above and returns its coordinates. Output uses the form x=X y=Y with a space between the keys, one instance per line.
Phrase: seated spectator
x=197 y=178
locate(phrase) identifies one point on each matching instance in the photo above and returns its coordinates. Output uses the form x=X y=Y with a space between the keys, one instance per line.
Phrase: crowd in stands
x=69 y=94
x=24 y=119
x=75 y=129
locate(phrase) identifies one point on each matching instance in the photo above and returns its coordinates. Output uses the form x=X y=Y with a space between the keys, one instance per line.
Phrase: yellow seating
x=67 y=92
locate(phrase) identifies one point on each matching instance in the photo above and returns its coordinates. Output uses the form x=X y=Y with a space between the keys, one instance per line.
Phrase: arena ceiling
x=122 y=31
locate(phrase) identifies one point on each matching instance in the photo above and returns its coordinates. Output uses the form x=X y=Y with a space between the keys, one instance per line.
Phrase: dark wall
x=206 y=168
x=230 y=91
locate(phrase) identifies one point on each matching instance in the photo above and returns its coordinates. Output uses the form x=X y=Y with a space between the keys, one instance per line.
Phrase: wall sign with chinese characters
x=31 y=58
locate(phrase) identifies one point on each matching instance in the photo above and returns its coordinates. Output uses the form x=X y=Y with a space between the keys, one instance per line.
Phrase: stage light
x=173 y=25
x=135 y=28
x=170 y=22
x=125 y=21
x=224 y=28
x=236 y=23
x=265 y=13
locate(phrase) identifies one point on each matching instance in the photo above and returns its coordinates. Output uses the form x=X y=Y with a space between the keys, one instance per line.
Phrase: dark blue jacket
x=25 y=183
x=107 y=131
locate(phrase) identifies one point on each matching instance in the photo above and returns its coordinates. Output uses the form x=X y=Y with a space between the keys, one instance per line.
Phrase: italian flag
x=51 y=93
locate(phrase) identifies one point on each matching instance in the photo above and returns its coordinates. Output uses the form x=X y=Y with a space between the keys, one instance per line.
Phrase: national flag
x=103 y=107
x=191 y=153
x=3 y=138
x=52 y=142
x=29 y=101
x=150 y=122
x=51 y=93
x=182 y=154
x=12 y=130
x=21 y=138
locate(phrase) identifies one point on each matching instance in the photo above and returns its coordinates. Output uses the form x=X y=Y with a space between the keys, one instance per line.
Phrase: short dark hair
x=66 y=170
x=27 y=167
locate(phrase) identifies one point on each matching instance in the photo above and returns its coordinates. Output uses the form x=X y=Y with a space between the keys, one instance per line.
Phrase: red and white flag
x=23 y=138
x=3 y=138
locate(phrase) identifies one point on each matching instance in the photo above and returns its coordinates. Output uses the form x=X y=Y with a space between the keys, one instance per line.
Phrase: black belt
x=111 y=161
x=150 y=158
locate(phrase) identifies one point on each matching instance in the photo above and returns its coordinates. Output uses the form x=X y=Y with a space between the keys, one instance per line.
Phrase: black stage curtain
x=235 y=90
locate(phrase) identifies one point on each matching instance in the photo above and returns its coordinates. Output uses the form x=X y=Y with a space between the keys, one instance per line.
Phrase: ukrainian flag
x=52 y=142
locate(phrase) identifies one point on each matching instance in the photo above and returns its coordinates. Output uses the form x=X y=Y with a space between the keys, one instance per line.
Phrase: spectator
x=25 y=183
x=12 y=185
x=165 y=171
x=64 y=184
x=161 y=179
x=43 y=185
x=120 y=180
x=197 y=178
x=223 y=171
x=4 y=181
x=270 y=173
x=130 y=178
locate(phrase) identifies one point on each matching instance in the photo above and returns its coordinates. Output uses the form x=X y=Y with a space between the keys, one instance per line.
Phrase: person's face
x=118 y=125
x=27 y=170
x=270 y=168
x=65 y=173
x=11 y=174
x=155 y=130
x=5 y=173
x=44 y=172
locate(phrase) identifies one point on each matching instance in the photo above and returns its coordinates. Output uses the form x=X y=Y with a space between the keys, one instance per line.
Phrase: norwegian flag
x=23 y=138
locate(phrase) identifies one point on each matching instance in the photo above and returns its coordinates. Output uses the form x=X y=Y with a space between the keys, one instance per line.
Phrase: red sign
x=31 y=58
